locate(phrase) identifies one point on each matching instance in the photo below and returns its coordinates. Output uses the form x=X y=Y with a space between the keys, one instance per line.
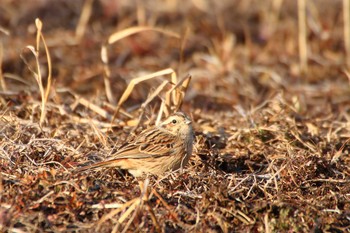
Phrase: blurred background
x=238 y=51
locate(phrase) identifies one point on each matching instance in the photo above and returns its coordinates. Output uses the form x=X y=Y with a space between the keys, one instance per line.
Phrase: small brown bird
x=155 y=150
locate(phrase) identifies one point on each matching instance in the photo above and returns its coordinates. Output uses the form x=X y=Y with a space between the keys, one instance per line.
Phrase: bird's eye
x=174 y=121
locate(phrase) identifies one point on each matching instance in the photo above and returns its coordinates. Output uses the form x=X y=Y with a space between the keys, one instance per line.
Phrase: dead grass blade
x=2 y=79
x=138 y=80
x=174 y=215
x=179 y=91
x=37 y=74
x=16 y=78
x=83 y=20
x=104 y=218
x=133 y=30
x=129 y=207
x=302 y=35
x=339 y=152
x=92 y=107
x=346 y=15
x=174 y=97
x=113 y=39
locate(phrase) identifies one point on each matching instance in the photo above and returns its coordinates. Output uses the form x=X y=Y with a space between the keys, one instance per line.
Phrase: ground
x=270 y=107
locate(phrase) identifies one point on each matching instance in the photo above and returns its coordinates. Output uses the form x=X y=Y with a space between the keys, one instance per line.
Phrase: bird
x=156 y=150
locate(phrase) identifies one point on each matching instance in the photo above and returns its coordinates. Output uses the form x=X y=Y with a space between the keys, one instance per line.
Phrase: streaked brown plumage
x=155 y=150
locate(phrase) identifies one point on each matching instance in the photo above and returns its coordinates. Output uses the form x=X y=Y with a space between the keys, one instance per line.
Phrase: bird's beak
x=187 y=122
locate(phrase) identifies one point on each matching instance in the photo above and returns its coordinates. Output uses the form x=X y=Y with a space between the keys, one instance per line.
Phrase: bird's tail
x=108 y=163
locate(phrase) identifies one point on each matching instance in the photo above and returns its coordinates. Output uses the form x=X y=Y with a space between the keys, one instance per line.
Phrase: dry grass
x=272 y=138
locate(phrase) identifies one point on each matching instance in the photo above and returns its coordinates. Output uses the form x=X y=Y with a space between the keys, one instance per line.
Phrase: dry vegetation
x=270 y=103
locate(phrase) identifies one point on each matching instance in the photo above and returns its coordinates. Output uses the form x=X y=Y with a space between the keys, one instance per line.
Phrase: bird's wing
x=150 y=143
